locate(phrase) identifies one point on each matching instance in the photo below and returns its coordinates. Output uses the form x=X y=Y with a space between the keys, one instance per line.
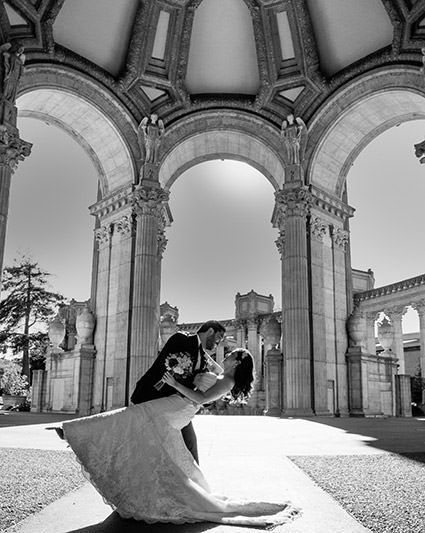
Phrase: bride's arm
x=221 y=388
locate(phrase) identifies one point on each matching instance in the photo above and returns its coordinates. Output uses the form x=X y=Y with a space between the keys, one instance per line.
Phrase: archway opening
x=386 y=186
x=48 y=211
x=221 y=240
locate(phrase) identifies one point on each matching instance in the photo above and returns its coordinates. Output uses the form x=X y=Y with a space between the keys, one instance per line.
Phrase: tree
x=26 y=307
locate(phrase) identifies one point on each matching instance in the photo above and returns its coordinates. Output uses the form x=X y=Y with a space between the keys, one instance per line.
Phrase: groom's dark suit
x=145 y=390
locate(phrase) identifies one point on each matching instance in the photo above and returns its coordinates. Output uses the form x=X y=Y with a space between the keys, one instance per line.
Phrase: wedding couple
x=143 y=459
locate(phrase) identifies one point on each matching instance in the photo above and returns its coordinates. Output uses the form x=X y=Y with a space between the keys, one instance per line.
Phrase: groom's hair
x=214 y=324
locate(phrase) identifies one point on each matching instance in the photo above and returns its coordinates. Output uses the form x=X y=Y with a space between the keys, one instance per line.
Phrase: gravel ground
x=384 y=492
x=31 y=479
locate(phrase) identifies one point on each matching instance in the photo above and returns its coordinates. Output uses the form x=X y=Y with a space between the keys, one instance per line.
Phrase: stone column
x=339 y=245
x=12 y=150
x=395 y=314
x=253 y=345
x=290 y=217
x=240 y=334
x=152 y=215
x=274 y=391
x=319 y=228
x=103 y=236
x=420 y=309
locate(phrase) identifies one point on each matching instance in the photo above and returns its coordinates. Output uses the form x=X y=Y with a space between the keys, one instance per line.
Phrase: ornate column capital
x=291 y=202
x=318 y=228
x=12 y=148
x=124 y=226
x=103 y=235
x=149 y=200
x=340 y=237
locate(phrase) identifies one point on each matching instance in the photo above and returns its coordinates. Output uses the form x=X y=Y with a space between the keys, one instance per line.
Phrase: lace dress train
x=137 y=460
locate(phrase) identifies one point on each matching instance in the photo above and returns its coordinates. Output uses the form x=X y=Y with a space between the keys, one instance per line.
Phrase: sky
x=221 y=240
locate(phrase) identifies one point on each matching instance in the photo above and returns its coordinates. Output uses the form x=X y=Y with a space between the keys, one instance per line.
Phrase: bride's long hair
x=244 y=375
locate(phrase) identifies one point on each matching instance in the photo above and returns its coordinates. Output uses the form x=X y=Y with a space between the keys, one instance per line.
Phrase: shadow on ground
x=396 y=435
x=18 y=418
x=115 y=524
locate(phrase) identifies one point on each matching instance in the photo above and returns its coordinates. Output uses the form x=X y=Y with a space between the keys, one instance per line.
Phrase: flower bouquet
x=179 y=364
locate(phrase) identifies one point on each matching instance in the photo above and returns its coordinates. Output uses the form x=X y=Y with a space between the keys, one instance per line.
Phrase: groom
x=208 y=336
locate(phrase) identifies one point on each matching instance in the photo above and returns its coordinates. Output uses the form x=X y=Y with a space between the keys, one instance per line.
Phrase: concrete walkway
x=242 y=457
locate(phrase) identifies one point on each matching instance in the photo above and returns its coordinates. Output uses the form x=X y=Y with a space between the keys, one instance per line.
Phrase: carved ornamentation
x=340 y=238
x=294 y=139
x=419 y=307
x=396 y=313
x=420 y=151
x=149 y=201
x=417 y=282
x=103 y=235
x=124 y=226
x=115 y=202
x=280 y=242
x=12 y=66
x=12 y=148
x=293 y=202
x=318 y=228
x=150 y=134
x=372 y=316
x=330 y=204
x=162 y=242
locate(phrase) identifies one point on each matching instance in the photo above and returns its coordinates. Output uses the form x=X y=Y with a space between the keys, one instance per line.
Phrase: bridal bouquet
x=179 y=364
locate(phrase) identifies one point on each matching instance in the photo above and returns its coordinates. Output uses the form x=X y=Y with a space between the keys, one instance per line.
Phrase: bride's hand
x=169 y=379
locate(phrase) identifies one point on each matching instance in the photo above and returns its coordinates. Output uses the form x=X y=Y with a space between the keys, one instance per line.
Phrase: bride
x=137 y=460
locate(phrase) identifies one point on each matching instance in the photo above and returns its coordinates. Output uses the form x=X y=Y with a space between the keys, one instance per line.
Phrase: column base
x=274 y=411
x=297 y=412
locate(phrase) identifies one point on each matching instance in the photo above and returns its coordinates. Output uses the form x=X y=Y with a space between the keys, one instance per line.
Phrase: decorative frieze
x=330 y=204
x=116 y=201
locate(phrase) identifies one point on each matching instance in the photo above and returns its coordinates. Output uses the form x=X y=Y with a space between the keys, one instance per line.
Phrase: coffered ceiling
x=174 y=56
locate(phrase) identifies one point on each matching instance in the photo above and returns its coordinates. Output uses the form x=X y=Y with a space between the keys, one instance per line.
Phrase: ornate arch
x=222 y=134
x=357 y=114
x=90 y=114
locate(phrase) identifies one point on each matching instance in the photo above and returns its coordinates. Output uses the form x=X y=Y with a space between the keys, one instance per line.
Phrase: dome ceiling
x=168 y=55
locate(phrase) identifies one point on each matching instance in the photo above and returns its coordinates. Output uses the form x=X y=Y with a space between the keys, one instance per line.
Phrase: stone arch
x=227 y=135
x=90 y=115
x=357 y=114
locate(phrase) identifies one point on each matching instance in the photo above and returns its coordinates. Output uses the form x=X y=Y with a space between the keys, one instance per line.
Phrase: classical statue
x=13 y=59
x=294 y=138
x=150 y=133
x=420 y=151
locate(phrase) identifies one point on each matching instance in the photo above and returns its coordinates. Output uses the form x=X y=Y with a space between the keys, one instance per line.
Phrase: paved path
x=241 y=456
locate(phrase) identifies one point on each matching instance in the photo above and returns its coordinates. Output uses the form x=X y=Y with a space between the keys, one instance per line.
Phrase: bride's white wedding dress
x=137 y=460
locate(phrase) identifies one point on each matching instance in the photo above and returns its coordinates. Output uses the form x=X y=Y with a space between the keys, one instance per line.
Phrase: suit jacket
x=179 y=342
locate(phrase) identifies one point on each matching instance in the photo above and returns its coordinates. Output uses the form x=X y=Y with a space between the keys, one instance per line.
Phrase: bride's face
x=231 y=361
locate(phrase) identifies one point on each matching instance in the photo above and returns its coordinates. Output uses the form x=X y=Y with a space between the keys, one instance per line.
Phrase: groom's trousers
x=189 y=437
